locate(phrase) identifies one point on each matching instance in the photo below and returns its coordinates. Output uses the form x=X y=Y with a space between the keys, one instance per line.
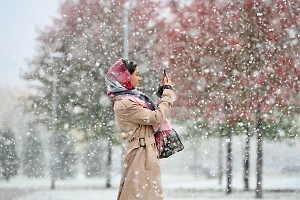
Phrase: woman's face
x=135 y=78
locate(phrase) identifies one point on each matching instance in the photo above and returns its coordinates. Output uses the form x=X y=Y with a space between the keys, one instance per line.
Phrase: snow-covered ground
x=177 y=195
x=176 y=187
x=182 y=179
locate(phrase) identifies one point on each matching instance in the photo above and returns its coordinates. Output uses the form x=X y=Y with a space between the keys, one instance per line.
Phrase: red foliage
x=232 y=53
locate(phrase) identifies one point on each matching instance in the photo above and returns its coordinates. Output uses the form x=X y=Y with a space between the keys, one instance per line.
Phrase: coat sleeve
x=132 y=112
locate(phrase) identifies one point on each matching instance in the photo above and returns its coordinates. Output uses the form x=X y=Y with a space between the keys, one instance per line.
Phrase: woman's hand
x=167 y=81
x=164 y=81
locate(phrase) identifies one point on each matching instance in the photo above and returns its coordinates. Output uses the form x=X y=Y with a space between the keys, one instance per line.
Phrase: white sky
x=18 y=22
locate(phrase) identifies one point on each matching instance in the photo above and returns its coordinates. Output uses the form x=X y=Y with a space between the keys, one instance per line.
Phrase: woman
x=136 y=116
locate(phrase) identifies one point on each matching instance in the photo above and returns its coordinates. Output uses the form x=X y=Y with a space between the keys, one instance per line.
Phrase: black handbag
x=168 y=143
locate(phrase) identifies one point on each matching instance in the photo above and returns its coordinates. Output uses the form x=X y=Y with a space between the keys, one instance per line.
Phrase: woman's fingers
x=167 y=81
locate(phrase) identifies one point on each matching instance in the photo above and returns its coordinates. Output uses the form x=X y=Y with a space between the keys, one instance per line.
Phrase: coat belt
x=140 y=143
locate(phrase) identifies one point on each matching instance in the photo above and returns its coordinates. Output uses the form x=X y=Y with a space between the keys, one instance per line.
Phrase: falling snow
x=236 y=71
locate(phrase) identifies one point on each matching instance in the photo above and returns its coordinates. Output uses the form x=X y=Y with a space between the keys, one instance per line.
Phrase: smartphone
x=165 y=73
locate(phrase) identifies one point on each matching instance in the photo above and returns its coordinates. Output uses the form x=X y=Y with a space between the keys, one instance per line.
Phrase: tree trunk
x=54 y=157
x=109 y=162
x=229 y=160
x=246 y=160
x=259 y=162
x=220 y=160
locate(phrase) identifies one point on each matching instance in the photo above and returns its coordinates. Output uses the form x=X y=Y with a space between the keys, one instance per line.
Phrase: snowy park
x=223 y=74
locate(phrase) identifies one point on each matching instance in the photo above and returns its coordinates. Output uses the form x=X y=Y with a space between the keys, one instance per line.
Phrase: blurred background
x=20 y=22
x=235 y=66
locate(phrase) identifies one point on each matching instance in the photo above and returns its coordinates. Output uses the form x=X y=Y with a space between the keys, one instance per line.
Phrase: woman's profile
x=136 y=117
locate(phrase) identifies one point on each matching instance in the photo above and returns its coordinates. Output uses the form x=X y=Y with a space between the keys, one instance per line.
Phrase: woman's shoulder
x=124 y=102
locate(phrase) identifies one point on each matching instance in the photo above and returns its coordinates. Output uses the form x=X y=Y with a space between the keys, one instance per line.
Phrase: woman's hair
x=130 y=65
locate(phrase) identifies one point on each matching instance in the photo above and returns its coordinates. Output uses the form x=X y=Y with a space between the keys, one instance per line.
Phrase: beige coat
x=141 y=176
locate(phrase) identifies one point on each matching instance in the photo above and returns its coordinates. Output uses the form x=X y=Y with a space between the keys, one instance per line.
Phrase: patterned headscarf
x=118 y=78
x=118 y=81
